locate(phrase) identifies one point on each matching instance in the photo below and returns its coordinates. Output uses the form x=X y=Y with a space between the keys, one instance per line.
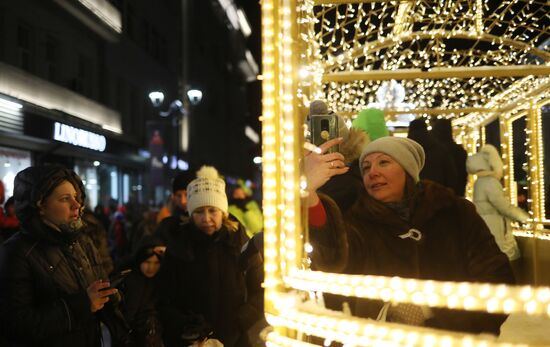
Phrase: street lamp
x=195 y=96
x=178 y=110
x=156 y=98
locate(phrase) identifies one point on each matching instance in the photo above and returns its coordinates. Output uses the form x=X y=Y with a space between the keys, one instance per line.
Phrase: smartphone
x=324 y=127
x=117 y=279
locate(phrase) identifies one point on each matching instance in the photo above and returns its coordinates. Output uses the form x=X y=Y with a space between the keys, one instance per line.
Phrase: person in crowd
x=9 y=224
x=165 y=210
x=118 y=237
x=243 y=207
x=53 y=289
x=140 y=295
x=95 y=230
x=491 y=203
x=102 y=214
x=443 y=132
x=403 y=226
x=169 y=226
x=439 y=166
x=144 y=228
x=206 y=289
x=367 y=126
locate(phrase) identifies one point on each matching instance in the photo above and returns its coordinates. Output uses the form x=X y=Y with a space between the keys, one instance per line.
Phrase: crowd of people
x=190 y=274
x=66 y=274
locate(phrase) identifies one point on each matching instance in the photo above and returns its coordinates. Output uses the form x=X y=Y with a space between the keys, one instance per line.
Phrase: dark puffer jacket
x=456 y=245
x=204 y=282
x=44 y=275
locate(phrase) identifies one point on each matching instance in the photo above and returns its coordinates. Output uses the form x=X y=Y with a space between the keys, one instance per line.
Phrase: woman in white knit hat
x=207 y=289
x=402 y=226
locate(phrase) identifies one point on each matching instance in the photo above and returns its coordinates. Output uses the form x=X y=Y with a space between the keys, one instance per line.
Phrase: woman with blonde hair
x=207 y=289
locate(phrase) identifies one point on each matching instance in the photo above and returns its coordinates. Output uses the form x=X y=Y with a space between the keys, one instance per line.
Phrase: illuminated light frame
x=282 y=100
x=495 y=298
x=353 y=331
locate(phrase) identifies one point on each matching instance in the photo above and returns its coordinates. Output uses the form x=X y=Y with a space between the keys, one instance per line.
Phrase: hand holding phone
x=324 y=127
x=117 y=279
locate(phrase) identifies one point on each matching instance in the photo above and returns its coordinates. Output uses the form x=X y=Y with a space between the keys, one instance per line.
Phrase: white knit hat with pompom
x=208 y=189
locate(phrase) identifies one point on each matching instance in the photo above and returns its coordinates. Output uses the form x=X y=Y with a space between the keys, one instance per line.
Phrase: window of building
x=155 y=44
x=145 y=32
x=11 y=162
x=130 y=21
x=25 y=57
x=83 y=80
x=163 y=50
x=51 y=59
x=89 y=174
x=121 y=96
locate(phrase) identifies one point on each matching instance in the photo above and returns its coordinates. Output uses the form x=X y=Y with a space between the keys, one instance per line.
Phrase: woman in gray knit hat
x=406 y=227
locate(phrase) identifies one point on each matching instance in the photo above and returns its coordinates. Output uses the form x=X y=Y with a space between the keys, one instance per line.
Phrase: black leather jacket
x=43 y=299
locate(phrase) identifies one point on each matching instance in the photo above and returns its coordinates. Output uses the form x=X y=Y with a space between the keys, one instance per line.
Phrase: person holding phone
x=403 y=226
x=53 y=289
x=207 y=290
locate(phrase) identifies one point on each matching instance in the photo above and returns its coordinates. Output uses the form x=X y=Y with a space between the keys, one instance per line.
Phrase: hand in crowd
x=99 y=293
x=159 y=250
x=319 y=168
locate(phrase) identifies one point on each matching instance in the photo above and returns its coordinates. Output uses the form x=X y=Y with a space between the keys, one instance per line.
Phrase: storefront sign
x=78 y=137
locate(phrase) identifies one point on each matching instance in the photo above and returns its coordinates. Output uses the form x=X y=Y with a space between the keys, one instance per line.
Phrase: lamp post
x=179 y=111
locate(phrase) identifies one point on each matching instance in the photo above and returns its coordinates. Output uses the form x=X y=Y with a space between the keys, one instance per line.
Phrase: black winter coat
x=168 y=228
x=346 y=188
x=459 y=156
x=43 y=299
x=140 y=295
x=439 y=166
x=456 y=245
x=205 y=281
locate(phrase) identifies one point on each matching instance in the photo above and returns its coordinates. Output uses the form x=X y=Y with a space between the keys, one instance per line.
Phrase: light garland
x=495 y=298
x=270 y=153
x=354 y=331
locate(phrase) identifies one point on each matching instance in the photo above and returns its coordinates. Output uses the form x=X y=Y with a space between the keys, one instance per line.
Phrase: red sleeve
x=317 y=215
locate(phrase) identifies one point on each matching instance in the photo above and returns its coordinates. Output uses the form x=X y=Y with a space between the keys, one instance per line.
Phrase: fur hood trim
x=354 y=145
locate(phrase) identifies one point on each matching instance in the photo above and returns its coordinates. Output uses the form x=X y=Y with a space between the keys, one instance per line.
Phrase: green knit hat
x=371 y=121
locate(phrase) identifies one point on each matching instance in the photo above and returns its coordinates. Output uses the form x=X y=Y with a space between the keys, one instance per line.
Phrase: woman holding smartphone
x=53 y=289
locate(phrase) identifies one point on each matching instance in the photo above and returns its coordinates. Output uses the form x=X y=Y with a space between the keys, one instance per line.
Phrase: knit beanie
x=208 y=189
x=371 y=121
x=408 y=153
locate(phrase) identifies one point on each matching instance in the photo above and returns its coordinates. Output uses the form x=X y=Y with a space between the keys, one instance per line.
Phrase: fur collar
x=429 y=199
x=353 y=146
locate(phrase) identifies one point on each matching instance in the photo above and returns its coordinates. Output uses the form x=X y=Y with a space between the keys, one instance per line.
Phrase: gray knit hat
x=208 y=189
x=408 y=153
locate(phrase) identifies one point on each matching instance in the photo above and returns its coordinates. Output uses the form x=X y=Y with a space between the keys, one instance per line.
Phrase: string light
x=334 y=326
x=459 y=295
